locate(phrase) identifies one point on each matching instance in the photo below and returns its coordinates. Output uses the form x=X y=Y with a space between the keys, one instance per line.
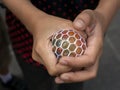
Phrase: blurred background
x=108 y=77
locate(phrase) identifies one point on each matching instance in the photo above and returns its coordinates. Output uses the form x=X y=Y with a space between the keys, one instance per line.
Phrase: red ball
x=68 y=43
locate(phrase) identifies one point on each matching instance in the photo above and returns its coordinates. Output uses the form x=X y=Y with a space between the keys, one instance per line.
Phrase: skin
x=95 y=23
x=41 y=25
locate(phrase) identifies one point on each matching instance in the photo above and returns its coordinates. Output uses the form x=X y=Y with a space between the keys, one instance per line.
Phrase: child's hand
x=91 y=22
x=42 y=50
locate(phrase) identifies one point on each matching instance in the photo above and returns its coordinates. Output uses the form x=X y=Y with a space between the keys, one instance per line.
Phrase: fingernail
x=59 y=81
x=63 y=62
x=65 y=77
x=79 y=23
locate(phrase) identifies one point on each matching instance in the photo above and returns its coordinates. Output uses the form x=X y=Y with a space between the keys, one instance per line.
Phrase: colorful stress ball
x=68 y=43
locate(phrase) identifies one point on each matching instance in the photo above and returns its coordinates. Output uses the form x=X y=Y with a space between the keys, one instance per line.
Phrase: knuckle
x=33 y=56
x=93 y=74
x=89 y=14
x=88 y=11
x=67 y=23
x=37 y=48
x=52 y=72
x=91 y=62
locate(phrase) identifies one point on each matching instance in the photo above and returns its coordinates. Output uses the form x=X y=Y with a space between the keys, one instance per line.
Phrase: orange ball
x=68 y=43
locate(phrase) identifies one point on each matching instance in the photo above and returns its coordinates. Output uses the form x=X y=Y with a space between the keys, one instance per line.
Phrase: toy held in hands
x=68 y=43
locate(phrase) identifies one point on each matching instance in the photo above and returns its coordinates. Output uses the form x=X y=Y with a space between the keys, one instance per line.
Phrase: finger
x=85 y=60
x=36 y=57
x=51 y=63
x=84 y=20
x=94 y=47
x=78 y=76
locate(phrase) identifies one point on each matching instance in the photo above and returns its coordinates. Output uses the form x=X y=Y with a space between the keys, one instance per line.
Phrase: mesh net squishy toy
x=68 y=43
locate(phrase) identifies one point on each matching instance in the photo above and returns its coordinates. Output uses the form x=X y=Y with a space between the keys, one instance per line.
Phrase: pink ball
x=68 y=43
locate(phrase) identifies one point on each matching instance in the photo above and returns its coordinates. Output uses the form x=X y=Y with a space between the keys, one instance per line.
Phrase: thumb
x=84 y=20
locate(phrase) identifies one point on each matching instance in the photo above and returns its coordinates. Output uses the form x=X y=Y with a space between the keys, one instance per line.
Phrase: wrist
x=36 y=26
x=107 y=10
x=34 y=20
x=100 y=15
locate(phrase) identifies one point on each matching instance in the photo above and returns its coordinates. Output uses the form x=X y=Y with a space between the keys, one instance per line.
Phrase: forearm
x=25 y=11
x=108 y=8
